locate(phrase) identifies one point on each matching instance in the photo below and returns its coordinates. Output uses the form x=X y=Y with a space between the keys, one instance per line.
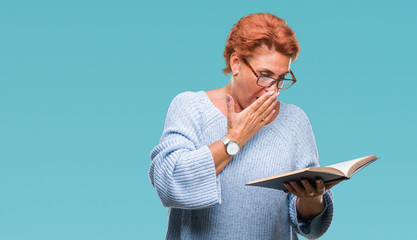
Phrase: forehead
x=264 y=58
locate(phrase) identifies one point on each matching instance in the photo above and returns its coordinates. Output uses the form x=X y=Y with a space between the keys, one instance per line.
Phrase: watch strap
x=225 y=140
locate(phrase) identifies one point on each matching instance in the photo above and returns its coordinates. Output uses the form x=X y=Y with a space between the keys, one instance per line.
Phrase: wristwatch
x=232 y=148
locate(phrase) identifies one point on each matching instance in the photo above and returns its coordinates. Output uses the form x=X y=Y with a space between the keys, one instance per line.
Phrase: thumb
x=230 y=106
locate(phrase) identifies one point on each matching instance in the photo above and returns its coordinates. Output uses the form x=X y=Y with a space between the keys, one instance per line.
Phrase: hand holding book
x=329 y=175
x=309 y=196
x=310 y=184
x=307 y=189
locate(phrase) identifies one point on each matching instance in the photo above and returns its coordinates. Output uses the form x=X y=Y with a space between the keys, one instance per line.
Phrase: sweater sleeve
x=182 y=171
x=307 y=156
x=316 y=227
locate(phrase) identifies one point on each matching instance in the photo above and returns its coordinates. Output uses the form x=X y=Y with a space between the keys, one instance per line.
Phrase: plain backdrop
x=85 y=86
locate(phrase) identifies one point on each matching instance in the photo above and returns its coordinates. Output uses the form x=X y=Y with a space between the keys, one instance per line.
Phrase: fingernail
x=228 y=98
x=273 y=111
x=270 y=93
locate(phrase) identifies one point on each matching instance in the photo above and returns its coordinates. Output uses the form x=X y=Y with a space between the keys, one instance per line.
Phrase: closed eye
x=269 y=74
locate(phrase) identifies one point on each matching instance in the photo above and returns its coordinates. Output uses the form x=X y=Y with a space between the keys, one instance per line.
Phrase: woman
x=215 y=142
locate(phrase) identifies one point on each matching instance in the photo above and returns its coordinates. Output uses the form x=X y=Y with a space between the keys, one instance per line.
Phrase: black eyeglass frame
x=275 y=80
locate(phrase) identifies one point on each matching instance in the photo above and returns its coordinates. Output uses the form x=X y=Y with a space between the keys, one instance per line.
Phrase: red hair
x=259 y=29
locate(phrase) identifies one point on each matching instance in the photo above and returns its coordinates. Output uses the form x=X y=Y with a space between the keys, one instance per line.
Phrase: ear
x=234 y=63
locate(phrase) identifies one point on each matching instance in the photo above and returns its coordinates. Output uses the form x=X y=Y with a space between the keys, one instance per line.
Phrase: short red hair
x=259 y=29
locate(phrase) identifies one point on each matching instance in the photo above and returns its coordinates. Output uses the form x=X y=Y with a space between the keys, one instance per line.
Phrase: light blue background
x=85 y=86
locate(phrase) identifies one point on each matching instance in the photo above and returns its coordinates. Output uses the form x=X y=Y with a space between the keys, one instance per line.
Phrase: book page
x=351 y=167
x=345 y=166
x=360 y=167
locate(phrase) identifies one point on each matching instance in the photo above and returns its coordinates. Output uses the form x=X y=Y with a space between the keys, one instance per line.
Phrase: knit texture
x=205 y=206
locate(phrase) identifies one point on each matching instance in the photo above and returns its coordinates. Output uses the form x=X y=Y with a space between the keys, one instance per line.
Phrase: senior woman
x=215 y=142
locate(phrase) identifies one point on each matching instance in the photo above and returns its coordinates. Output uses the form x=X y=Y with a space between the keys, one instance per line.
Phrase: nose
x=274 y=88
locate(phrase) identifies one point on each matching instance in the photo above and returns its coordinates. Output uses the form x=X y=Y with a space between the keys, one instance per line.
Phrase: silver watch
x=232 y=148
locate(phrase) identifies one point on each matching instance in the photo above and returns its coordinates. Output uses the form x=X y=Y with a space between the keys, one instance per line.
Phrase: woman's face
x=264 y=61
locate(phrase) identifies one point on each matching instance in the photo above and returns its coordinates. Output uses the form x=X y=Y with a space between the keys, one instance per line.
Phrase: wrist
x=235 y=137
x=232 y=147
x=315 y=200
x=308 y=208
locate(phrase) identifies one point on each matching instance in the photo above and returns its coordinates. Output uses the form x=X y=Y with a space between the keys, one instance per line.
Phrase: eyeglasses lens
x=283 y=82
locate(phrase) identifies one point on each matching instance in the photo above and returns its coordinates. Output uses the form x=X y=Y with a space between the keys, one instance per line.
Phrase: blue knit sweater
x=205 y=206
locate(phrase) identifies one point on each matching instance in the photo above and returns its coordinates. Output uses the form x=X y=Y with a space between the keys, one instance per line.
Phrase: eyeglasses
x=284 y=82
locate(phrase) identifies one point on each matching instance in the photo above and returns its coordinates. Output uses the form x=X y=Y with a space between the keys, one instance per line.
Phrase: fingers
x=290 y=189
x=262 y=108
x=268 y=105
x=260 y=101
x=306 y=189
x=310 y=191
x=297 y=188
x=269 y=117
x=268 y=113
x=320 y=188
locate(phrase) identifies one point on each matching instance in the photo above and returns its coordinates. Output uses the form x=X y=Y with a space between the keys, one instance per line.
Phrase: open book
x=329 y=174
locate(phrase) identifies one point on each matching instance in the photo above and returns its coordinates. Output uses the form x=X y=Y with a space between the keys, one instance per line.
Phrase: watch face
x=232 y=148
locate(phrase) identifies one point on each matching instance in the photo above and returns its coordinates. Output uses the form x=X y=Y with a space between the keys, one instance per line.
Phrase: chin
x=250 y=102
